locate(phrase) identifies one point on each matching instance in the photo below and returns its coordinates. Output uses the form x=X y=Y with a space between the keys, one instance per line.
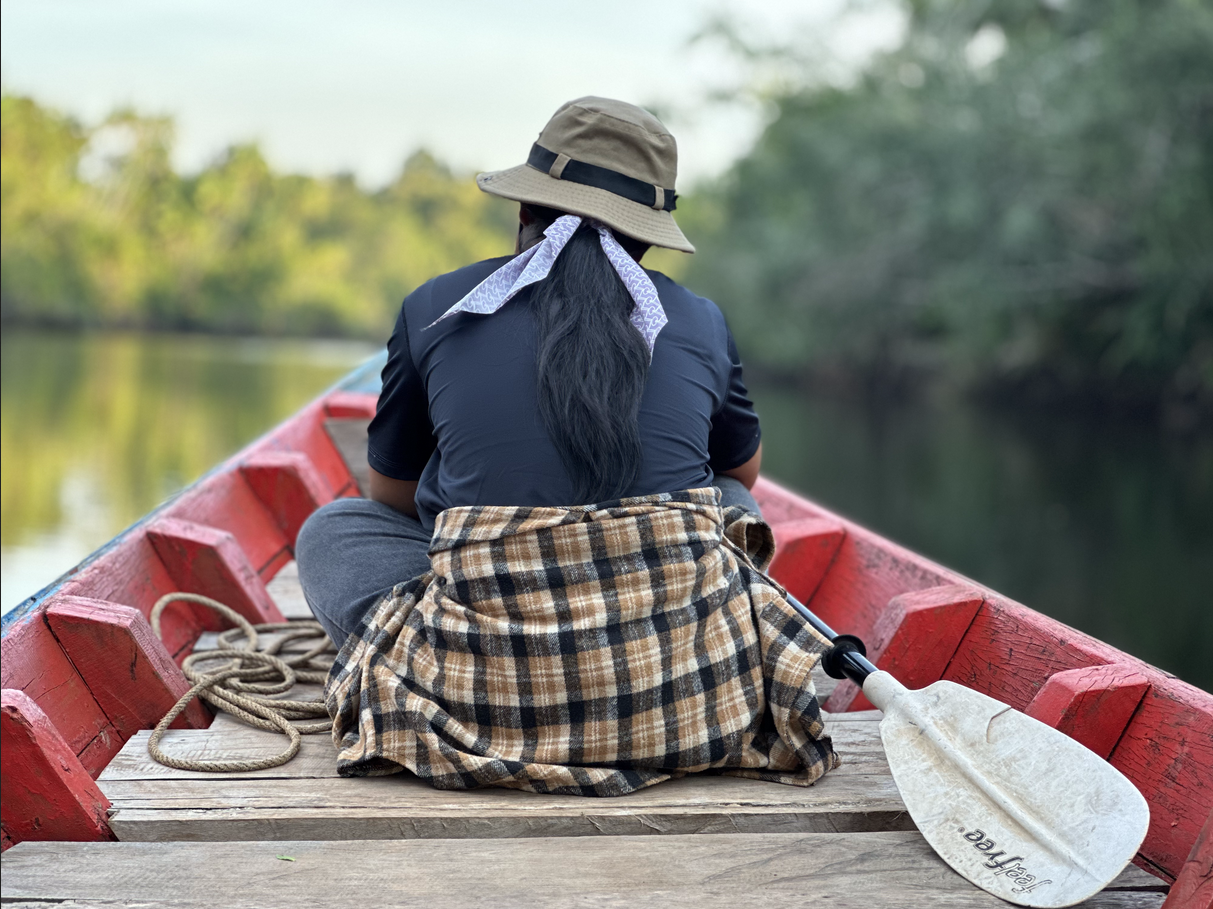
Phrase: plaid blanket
x=593 y=651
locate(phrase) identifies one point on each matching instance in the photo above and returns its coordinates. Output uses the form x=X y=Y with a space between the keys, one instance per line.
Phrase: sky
x=356 y=86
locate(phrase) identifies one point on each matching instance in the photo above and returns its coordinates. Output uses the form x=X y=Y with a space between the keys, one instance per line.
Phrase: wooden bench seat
x=305 y=799
x=840 y=870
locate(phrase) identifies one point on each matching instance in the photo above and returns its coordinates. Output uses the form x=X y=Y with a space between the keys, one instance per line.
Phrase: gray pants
x=352 y=552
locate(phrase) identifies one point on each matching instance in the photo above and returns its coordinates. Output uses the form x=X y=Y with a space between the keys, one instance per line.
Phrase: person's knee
x=326 y=525
x=733 y=492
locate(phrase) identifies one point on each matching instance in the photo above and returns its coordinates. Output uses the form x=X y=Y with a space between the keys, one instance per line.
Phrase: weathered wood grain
x=1010 y=653
x=1194 y=884
x=915 y=639
x=210 y=561
x=858 y=742
x=33 y=662
x=840 y=870
x=130 y=572
x=350 y=438
x=126 y=667
x=47 y=792
x=327 y=807
x=1167 y=751
x=288 y=484
x=405 y=792
x=804 y=551
x=707 y=899
x=286 y=591
x=1092 y=705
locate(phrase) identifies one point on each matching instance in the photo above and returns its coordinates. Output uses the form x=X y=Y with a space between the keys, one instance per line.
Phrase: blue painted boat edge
x=363 y=379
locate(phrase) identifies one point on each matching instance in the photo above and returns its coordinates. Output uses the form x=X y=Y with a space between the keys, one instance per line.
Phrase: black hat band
x=562 y=167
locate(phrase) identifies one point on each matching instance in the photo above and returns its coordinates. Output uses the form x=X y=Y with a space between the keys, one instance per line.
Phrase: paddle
x=1021 y=810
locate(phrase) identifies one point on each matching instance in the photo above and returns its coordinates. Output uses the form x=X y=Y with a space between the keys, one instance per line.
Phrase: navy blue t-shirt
x=459 y=408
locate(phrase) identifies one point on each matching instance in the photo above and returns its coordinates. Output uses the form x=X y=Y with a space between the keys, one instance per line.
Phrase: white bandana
x=533 y=266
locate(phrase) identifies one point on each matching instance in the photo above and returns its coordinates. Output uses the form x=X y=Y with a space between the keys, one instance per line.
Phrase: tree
x=1040 y=221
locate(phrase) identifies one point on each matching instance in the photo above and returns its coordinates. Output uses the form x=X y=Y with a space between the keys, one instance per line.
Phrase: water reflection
x=98 y=429
x=1105 y=526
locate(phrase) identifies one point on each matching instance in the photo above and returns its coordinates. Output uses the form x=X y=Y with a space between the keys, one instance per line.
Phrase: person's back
x=461 y=406
x=557 y=582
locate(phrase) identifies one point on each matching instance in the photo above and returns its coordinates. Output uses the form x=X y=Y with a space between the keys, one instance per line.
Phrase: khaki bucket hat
x=601 y=159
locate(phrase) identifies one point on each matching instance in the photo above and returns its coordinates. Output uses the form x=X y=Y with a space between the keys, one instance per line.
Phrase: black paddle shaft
x=847 y=659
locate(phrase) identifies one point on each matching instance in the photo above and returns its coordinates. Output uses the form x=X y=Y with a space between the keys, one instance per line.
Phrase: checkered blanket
x=593 y=650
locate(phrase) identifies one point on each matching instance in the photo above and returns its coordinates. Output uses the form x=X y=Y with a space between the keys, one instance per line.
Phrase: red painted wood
x=350 y=405
x=32 y=661
x=1011 y=651
x=306 y=434
x=226 y=502
x=128 y=670
x=1092 y=705
x=100 y=751
x=867 y=571
x=866 y=574
x=1167 y=751
x=780 y=505
x=1193 y=888
x=132 y=574
x=914 y=639
x=209 y=561
x=804 y=551
x=288 y=485
x=45 y=792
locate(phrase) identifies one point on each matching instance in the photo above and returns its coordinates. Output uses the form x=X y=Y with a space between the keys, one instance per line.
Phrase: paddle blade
x=1020 y=809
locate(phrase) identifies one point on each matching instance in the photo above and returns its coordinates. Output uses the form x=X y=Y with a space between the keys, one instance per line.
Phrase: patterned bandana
x=533 y=266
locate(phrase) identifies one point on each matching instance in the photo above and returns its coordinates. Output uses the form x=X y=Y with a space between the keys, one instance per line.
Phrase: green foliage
x=235 y=248
x=1042 y=221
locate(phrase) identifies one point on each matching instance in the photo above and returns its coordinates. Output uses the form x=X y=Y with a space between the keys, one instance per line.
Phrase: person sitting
x=557 y=582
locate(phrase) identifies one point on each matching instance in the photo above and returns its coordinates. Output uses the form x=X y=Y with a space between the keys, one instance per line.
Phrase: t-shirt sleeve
x=401 y=436
x=735 y=432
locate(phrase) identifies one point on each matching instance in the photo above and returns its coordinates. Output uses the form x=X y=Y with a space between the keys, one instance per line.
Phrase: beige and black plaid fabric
x=592 y=650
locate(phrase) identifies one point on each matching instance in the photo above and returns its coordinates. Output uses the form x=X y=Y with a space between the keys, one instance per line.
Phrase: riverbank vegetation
x=1018 y=199
x=98 y=229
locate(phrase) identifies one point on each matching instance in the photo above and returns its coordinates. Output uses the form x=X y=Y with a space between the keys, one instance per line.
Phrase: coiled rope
x=242 y=683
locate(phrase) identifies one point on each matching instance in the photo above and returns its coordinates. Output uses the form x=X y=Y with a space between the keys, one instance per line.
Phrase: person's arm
x=400 y=439
x=398 y=494
x=747 y=473
x=735 y=439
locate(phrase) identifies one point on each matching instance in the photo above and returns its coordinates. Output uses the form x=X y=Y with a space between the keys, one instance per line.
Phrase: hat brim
x=526 y=184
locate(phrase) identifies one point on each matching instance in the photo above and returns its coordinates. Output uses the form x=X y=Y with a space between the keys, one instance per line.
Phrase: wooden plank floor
x=351 y=440
x=286 y=593
x=842 y=870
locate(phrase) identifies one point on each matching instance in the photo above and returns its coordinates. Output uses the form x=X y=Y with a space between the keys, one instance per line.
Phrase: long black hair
x=592 y=364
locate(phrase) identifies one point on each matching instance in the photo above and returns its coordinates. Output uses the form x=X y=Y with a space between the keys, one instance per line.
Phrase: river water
x=1107 y=526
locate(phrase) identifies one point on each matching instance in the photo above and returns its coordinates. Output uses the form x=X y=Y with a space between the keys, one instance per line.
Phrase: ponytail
x=592 y=365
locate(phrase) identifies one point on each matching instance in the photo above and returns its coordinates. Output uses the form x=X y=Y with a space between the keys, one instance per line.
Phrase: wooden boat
x=84 y=679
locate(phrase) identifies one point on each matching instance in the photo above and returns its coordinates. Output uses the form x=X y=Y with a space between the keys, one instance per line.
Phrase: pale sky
x=356 y=86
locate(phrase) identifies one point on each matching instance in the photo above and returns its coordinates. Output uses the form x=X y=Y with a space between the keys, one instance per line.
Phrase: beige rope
x=243 y=682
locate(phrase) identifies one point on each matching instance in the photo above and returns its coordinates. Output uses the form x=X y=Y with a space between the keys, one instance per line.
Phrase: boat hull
x=82 y=674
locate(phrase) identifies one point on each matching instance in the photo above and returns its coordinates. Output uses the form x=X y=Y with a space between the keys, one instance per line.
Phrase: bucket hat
x=601 y=159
